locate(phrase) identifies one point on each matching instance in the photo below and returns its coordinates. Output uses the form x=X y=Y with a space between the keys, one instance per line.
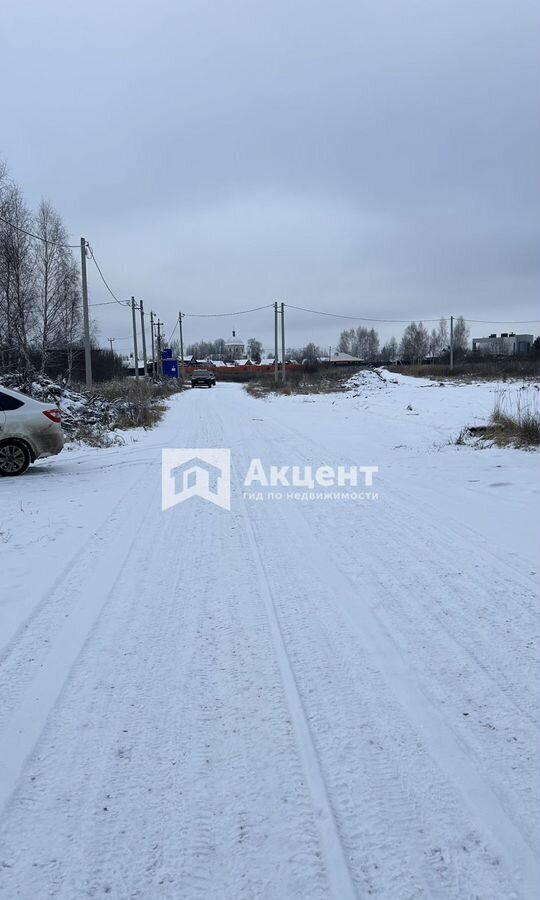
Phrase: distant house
x=128 y=363
x=505 y=344
x=345 y=359
x=339 y=358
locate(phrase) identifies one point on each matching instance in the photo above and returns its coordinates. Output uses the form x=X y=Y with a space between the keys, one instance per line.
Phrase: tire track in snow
x=441 y=741
x=449 y=529
x=337 y=866
x=416 y=546
x=187 y=781
x=95 y=535
x=23 y=729
x=464 y=669
x=140 y=873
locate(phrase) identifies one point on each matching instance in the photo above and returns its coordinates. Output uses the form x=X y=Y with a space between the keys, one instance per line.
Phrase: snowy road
x=292 y=699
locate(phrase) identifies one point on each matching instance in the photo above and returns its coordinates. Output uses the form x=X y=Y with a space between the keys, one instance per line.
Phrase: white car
x=29 y=430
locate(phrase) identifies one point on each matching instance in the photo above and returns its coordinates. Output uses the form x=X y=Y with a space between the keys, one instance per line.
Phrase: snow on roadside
x=463 y=403
x=421 y=412
x=409 y=427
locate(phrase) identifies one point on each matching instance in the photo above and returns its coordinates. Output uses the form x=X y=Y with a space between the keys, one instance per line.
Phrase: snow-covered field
x=295 y=699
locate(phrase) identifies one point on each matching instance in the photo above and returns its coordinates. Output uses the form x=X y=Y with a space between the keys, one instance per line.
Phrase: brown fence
x=248 y=373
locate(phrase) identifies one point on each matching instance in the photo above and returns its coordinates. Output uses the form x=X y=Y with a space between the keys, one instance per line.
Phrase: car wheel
x=14 y=458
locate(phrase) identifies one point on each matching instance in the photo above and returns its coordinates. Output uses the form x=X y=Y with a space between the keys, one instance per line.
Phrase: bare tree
x=17 y=288
x=390 y=350
x=362 y=342
x=461 y=335
x=52 y=271
x=311 y=352
x=68 y=326
x=254 y=349
x=414 y=343
x=438 y=340
x=40 y=307
x=346 y=340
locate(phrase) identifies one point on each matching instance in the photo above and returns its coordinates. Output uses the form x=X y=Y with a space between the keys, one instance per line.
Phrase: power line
x=37 y=237
x=111 y=292
x=319 y=312
x=105 y=303
x=173 y=331
x=503 y=322
x=240 y=312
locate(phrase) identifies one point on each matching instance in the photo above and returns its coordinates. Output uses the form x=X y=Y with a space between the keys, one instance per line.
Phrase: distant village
x=356 y=347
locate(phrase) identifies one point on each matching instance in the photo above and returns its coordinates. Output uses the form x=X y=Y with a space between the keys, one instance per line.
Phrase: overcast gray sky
x=379 y=159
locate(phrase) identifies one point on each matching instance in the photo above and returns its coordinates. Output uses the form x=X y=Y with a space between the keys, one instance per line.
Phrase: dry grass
x=321 y=381
x=514 y=422
x=476 y=370
x=99 y=416
x=138 y=404
x=516 y=418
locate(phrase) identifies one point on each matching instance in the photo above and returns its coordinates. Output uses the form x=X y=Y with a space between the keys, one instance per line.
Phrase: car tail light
x=54 y=415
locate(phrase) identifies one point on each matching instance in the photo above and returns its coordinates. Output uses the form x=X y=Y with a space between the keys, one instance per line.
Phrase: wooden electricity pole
x=86 y=318
x=283 y=368
x=135 y=349
x=143 y=339
x=276 y=349
x=153 y=344
x=181 y=345
x=159 y=353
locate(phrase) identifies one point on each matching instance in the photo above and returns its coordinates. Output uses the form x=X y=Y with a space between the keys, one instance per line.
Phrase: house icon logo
x=195 y=472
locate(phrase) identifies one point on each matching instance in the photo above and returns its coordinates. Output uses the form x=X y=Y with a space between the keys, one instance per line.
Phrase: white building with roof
x=235 y=348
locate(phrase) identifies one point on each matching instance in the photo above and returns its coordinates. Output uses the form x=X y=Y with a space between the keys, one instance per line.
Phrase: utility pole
x=275 y=342
x=159 y=356
x=181 y=345
x=283 y=369
x=143 y=338
x=135 y=349
x=86 y=317
x=451 y=342
x=110 y=340
x=153 y=345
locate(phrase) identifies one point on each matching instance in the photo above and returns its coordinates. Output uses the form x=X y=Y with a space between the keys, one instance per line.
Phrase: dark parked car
x=203 y=376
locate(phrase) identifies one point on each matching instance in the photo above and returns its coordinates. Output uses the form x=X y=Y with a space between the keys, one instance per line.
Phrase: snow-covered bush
x=94 y=417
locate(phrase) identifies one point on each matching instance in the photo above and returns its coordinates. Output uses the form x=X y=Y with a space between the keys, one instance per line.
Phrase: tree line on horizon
x=416 y=344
